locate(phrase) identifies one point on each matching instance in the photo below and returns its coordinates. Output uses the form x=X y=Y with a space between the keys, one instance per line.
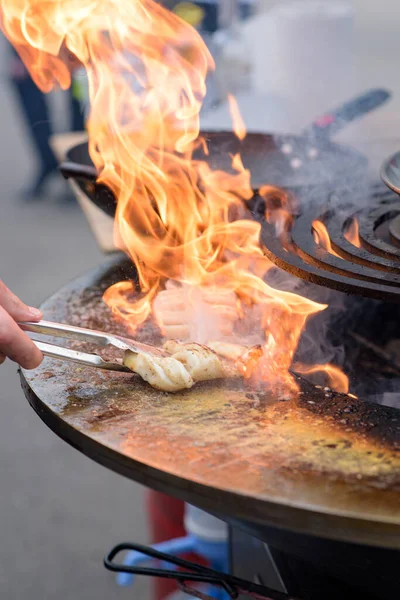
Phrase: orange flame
x=177 y=219
x=280 y=208
x=239 y=127
x=322 y=238
x=352 y=233
x=336 y=379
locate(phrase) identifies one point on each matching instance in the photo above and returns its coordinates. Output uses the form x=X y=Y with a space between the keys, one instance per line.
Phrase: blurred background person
x=219 y=23
x=214 y=12
x=35 y=110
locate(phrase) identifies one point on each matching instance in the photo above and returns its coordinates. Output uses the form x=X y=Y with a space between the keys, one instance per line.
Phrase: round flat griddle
x=325 y=464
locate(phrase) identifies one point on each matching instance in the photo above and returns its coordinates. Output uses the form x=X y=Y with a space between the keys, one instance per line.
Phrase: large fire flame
x=180 y=222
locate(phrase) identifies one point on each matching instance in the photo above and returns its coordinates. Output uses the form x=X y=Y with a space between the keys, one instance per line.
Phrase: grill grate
x=371 y=267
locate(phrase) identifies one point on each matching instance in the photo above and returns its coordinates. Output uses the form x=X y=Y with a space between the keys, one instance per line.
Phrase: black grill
x=371 y=270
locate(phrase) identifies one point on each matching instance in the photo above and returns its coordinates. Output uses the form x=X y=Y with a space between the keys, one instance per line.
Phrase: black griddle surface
x=325 y=464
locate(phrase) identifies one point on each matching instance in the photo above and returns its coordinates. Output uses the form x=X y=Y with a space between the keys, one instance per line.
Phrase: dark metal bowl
x=308 y=167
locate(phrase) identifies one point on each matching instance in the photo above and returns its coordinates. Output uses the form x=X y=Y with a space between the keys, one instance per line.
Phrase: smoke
x=391 y=399
x=316 y=345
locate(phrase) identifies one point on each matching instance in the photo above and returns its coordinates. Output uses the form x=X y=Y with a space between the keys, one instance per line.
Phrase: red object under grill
x=165 y=515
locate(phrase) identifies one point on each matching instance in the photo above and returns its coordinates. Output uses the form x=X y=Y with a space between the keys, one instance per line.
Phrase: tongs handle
x=84 y=359
x=67 y=331
x=99 y=338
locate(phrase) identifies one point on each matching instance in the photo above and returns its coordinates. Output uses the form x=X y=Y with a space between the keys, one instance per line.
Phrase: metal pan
x=390 y=172
x=307 y=165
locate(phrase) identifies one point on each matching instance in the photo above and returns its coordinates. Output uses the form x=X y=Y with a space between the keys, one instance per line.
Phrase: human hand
x=14 y=343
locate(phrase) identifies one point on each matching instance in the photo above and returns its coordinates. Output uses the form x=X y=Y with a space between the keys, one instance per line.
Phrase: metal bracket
x=192 y=572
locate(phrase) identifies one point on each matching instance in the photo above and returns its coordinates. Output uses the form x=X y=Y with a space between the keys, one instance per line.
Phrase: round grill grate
x=357 y=251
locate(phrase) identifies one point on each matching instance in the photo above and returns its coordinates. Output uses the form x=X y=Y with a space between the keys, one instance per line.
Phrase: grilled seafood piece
x=186 y=365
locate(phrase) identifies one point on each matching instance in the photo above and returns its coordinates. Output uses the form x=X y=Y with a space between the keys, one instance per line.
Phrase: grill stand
x=192 y=572
x=291 y=567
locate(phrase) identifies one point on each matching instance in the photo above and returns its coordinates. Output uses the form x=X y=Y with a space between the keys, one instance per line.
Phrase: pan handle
x=330 y=123
x=71 y=170
x=86 y=176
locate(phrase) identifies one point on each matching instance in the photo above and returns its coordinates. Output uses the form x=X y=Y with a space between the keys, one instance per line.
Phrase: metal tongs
x=80 y=334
